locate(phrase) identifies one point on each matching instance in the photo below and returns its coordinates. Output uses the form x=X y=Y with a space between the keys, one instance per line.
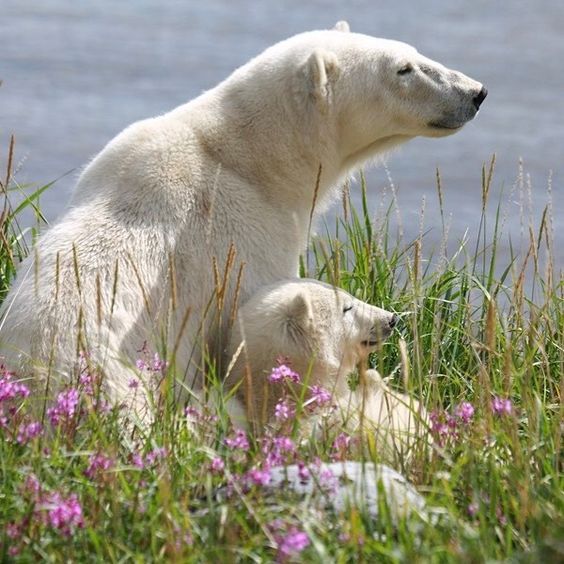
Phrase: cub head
x=316 y=326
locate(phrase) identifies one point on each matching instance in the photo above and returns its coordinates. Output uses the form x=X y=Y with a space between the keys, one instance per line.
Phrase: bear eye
x=406 y=69
x=347 y=308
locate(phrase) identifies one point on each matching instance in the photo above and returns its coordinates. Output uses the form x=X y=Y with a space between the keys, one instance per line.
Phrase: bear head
x=322 y=331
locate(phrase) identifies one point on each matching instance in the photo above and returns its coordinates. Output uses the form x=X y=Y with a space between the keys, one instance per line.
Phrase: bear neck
x=270 y=147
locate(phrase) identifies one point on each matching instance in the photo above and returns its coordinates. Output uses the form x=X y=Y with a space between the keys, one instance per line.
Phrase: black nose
x=480 y=98
x=394 y=321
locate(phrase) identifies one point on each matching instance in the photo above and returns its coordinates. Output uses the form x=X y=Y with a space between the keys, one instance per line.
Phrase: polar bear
x=182 y=216
x=323 y=334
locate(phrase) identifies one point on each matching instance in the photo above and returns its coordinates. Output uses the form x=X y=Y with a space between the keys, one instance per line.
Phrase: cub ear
x=299 y=317
x=321 y=68
x=343 y=26
x=299 y=310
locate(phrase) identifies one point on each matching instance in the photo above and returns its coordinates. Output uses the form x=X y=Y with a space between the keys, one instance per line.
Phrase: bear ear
x=299 y=316
x=322 y=68
x=299 y=310
x=343 y=26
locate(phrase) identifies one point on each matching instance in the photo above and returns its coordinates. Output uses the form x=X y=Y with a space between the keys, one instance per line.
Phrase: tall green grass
x=475 y=326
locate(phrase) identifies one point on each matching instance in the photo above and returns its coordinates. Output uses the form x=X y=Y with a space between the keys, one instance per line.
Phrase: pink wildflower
x=137 y=460
x=97 y=464
x=240 y=441
x=501 y=406
x=277 y=450
x=158 y=364
x=259 y=477
x=293 y=542
x=328 y=481
x=341 y=446
x=62 y=514
x=320 y=395
x=133 y=383
x=284 y=410
x=156 y=454
x=29 y=431
x=283 y=373
x=32 y=485
x=192 y=412
x=66 y=406
x=464 y=412
x=13 y=531
x=217 y=465
x=303 y=472
x=11 y=390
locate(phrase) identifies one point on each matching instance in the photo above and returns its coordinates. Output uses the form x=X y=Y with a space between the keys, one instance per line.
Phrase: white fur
x=163 y=202
x=324 y=333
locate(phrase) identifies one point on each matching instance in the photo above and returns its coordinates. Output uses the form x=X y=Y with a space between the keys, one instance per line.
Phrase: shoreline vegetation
x=481 y=344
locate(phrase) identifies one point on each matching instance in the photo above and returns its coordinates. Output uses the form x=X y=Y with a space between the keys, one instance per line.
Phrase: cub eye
x=347 y=308
x=406 y=69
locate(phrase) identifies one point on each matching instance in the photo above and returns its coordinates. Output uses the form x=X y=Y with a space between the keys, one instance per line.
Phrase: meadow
x=481 y=343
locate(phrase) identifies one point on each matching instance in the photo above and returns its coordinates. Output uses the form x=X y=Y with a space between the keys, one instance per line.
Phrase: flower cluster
x=141 y=461
x=10 y=390
x=290 y=540
x=61 y=513
x=97 y=464
x=283 y=373
x=150 y=363
x=65 y=408
x=447 y=427
x=501 y=406
x=239 y=441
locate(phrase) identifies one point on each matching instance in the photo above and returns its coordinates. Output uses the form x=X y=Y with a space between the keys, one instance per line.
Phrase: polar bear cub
x=323 y=333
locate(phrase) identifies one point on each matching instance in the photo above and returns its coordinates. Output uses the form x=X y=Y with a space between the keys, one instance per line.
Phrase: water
x=76 y=73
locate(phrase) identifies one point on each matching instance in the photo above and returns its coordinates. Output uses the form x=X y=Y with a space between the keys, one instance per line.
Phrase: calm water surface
x=76 y=73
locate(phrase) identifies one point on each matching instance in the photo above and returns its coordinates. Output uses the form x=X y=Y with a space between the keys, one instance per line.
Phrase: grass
x=477 y=327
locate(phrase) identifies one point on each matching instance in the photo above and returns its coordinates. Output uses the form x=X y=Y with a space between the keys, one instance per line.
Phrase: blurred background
x=75 y=73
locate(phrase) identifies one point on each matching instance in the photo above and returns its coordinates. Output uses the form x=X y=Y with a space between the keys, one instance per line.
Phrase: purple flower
x=32 y=485
x=65 y=407
x=137 y=460
x=240 y=441
x=320 y=395
x=29 y=431
x=464 y=412
x=283 y=372
x=133 y=383
x=11 y=390
x=217 y=465
x=276 y=450
x=501 y=406
x=293 y=542
x=472 y=509
x=259 y=477
x=303 y=472
x=157 y=364
x=140 y=364
x=156 y=454
x=13 y=531
x=97 y=464
x=284 y=410
x=328 y=481
x=192 y=412
x=341 y=445
x=62 y=514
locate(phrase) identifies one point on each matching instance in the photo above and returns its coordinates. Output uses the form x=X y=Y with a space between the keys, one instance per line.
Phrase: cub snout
x=381 y=330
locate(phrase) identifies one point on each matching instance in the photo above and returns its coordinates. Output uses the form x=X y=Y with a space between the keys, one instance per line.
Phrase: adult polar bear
x=164 y=218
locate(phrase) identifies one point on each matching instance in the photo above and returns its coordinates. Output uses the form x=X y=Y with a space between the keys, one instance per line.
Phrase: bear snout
x=480 y=97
